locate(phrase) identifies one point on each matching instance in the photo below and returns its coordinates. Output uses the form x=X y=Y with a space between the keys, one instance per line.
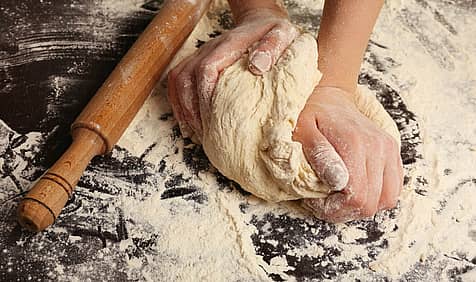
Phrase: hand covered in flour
x=349 y=153
x=263 y=31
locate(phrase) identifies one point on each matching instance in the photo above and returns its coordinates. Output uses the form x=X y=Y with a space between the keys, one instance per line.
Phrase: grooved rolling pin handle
x=107 y=115
x=44 y=202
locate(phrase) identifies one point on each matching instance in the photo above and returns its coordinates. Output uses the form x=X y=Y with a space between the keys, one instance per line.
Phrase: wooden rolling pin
x=106 y=117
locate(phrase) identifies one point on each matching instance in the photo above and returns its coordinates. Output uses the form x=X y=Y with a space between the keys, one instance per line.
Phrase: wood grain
x=107 y=115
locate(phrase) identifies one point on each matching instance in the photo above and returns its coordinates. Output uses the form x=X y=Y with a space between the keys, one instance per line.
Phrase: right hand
x=358 y=160
x=266 y=33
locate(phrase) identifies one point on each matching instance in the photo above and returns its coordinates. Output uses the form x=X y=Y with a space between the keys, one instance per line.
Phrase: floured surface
x=155 y=209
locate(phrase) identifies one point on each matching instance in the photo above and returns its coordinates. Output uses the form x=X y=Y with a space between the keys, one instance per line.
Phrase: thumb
x=323 y=158
x=266 y=53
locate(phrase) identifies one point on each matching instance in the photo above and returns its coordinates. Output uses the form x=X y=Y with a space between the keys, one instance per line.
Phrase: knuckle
x=204 y=67
x=180 y=78
x=355 y=138
x=283 y=31
x=381 y=142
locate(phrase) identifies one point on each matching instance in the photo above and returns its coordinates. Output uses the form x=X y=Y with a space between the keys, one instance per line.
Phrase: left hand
x=265 y=32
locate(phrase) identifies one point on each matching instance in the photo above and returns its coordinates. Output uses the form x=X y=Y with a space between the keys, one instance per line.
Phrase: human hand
x=266 y=33
x=349 y=153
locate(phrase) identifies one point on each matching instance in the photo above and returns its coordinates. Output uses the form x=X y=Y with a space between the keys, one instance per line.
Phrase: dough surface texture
x=247 y=134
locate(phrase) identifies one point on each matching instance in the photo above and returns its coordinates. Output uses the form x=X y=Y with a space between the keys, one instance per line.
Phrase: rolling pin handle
x=44 y=202
x=105 y=118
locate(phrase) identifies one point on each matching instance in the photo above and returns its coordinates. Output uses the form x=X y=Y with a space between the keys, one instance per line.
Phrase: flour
x=435 y=229
x=193 y=252
x=214 y=232
x=425 y=228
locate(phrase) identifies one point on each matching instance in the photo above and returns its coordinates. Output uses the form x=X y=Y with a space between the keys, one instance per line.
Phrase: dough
x=247 y=134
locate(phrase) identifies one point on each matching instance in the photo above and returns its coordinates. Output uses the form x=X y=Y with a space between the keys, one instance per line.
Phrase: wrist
x=246 y=10
x=340 y=81
x=336 y=90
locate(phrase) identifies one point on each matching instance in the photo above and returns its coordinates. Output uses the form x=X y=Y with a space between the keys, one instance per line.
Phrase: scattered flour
x=425 y=228
x=433 y=68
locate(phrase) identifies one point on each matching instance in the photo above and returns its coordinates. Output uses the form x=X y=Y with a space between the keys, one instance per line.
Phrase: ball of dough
x=247 y=134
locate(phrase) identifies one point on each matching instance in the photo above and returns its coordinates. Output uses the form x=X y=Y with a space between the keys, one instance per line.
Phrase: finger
x=185 y=87
x=186 y=91
x=267 y=52
x=400 y=172
x=333 y=208
x=392 y=183
x=172 y=91
x=390 y=189
x=198 y=78
x=173 y=98
x=347 y=204
x=375 y=169
x=322 y=156
x=216 y=55
x=212 y=64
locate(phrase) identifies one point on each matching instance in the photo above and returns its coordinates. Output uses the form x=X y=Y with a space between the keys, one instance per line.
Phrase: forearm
x=344 y=33
x=240 y=8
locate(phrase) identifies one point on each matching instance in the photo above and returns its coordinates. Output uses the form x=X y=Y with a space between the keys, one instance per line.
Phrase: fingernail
x=336 y=176
x=260 y=62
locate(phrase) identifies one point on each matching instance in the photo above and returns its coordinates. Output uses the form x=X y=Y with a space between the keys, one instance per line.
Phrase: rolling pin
x=107 y=115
